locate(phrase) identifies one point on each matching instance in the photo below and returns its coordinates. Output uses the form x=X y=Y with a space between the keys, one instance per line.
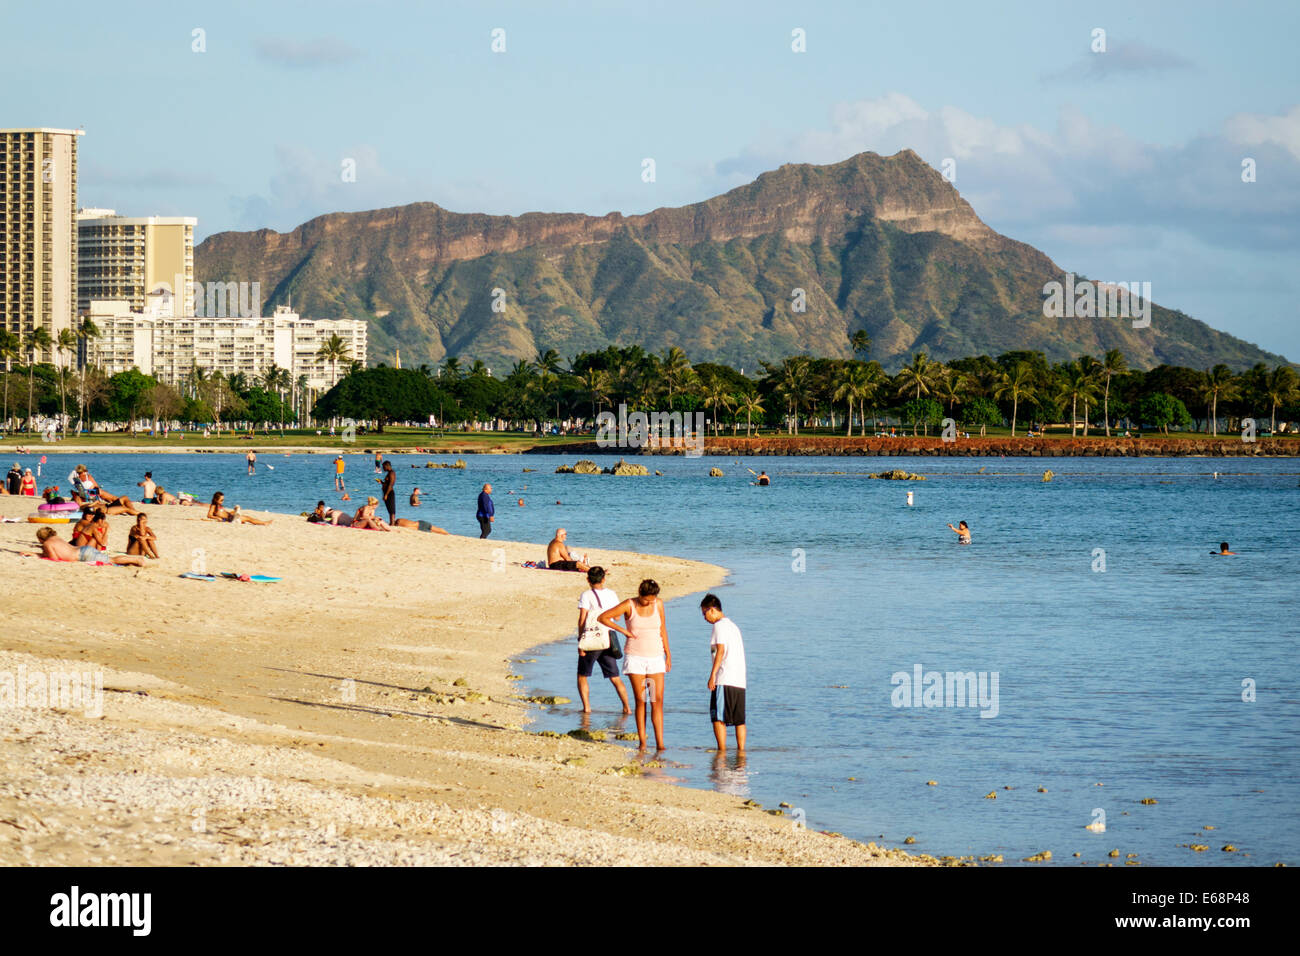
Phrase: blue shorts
x=587 y=661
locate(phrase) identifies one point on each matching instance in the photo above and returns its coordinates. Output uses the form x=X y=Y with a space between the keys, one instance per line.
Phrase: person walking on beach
x=649 y=657
x=486 y=512
x=727 y=674
x=598 y=598
x=389 y=486
x=339 y=465
x=14 y=480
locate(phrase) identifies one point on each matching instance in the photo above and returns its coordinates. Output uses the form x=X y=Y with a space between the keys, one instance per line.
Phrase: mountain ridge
x=884 y=244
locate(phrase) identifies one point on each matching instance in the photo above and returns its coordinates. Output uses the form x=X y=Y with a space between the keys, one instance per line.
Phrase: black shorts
x=563 y=566
x=733 y=706
x=608 y=663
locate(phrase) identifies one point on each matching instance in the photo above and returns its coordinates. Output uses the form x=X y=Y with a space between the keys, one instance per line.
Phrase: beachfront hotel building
x=127 y=257
x=38 y=232
x=168 y=346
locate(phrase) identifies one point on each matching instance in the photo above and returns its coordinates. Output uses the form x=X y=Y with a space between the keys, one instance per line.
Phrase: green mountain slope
x=883 y=244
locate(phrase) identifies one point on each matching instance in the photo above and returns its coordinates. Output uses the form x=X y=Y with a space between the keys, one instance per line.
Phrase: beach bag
x=593 y=636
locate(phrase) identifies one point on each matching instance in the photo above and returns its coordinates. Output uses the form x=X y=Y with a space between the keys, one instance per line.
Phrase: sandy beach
x=360 y=711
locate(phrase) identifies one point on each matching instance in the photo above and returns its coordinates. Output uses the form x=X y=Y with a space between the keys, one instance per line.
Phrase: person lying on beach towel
x=55 y=548
x=419 y=526
x=164 y=497
x=217 y=512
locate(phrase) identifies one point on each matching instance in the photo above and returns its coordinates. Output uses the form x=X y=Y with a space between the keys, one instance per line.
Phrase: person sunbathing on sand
x=141 y=539
x=217 y=512
x=56 y=549
x=558 y=557
x=83 y=481
x=419 y=526
x=164 y=497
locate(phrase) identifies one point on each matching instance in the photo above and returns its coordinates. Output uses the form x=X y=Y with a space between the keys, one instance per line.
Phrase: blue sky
x=1122 y=165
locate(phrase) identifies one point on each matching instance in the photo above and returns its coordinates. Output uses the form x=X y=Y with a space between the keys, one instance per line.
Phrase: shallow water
x=1129 y=677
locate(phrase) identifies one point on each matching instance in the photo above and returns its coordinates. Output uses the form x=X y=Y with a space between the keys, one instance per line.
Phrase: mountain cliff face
x=878 y=243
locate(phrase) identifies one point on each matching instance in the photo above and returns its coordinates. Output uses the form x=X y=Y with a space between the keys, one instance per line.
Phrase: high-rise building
x=38 y=232
x=126 y=258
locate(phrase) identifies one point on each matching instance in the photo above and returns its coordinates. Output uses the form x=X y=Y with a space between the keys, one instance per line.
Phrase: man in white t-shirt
x=727 y=674
x=594 y=601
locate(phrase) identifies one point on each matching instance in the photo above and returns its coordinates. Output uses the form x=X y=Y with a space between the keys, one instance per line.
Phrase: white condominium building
x=168 y=347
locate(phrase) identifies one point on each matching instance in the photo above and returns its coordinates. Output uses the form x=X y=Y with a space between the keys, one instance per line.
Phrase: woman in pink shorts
x=647 y=655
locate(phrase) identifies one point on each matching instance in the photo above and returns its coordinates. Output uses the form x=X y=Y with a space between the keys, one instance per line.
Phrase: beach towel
x=539 y=565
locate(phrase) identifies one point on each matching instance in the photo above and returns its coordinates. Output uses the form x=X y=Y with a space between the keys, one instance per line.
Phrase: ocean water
x=1130 y=664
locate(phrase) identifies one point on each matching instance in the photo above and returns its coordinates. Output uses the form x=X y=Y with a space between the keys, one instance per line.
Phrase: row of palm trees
x=977 y=390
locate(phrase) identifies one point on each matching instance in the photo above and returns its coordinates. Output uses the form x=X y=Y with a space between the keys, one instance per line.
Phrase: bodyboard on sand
x=194 y=576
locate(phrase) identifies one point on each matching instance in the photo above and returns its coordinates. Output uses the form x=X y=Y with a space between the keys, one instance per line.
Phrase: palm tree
x=1279 y=388
x=860 y=342
x=1074 y=384
x=548 y=361
x=852 y=384
x=10 y=349
x=918 y=377
x=451 y=367
x=334 y=350
x=38 y=340
x=750 y=404
x=1219 y=383
x=950 y=386
x=714 y=393
x=1018 y=384
x=1092 y=376
x=675 y=371
x=278 y=380
x=794 y=385
x=595 y=381
x=1112 y=364
x=66 y=344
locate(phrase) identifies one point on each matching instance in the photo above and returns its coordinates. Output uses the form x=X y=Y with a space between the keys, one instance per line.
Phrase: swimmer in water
x=1223 y=550
x=963 y=532
x=415 y=498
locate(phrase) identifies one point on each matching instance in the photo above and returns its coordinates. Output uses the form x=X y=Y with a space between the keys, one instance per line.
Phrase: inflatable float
x=56 y=508
x=45 y=517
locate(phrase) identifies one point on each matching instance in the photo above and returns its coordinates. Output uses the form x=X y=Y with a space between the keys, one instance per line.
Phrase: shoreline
x=359 y=711
x=820 y=446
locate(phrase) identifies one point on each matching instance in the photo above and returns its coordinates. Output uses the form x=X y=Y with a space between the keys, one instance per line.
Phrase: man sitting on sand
x=56 y=549
x=558 y=557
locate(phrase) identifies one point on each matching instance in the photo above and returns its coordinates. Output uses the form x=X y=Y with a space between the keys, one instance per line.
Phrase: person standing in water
x=727 y=674
x=598 y=598
x=963 y=532
x=389 y=485
x=251 y=457
x=1223 y=550
x=339 y=465
x=648 y=657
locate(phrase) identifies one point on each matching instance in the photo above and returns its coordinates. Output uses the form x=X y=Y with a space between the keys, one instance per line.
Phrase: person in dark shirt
x=389 y=483
x=14 y=480
x=486 y=512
